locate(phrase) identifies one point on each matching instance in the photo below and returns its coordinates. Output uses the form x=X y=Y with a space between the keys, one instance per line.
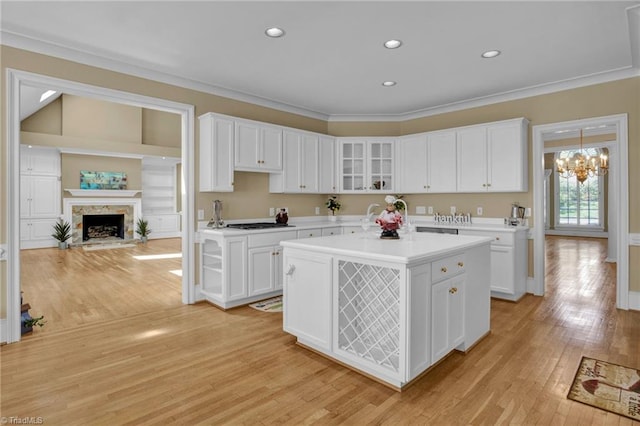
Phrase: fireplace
x=102 y=227
x=78 y=210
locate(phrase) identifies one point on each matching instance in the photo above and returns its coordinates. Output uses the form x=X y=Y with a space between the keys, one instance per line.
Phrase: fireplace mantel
x=103 y=205
x=103 y=192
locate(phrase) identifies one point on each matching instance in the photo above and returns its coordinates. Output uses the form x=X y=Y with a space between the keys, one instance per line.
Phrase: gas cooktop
x=257 y=225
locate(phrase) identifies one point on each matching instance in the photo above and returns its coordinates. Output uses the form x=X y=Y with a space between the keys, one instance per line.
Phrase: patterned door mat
x=269 y=305
x=607 y=386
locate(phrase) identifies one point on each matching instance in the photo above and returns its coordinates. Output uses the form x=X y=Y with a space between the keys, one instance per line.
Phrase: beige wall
x=47 y=120
x=251 y=198
x=72 y=164
x=161 y=128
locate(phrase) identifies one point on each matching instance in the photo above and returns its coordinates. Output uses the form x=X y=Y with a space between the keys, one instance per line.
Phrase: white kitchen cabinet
x=224 y=270
x=367 y=165
x=352 y=230
x=447 y=316
x=164 y=225
x=493 y=157
x=509 y=254
x=265 y=269
x=336 y=230
x=327 y=174
x=216 y=153
x=307 y=308
x=258 y=147
x=300 y=164
x=427 y=163
x=39 y=161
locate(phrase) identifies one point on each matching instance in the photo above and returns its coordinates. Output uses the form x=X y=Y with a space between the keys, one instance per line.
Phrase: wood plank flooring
x=190 y=365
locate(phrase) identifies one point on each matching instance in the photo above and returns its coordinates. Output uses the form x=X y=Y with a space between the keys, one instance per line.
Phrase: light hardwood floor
x=199 y=365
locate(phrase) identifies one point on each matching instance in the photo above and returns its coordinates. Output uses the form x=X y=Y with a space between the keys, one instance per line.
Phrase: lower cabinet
x=265 y=269
x=164 y=225
x=224 y=270
x=308 y=297
x=447 y=316
x=36 y=233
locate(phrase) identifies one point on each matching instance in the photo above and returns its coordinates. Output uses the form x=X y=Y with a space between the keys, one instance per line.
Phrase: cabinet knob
x=488 y=184
x=498 y=238
x=484 y=185
x=443 y=269
x=461 y=264
x=452 y=290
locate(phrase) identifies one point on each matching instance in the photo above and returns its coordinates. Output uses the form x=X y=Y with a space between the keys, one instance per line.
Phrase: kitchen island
x=387 y=308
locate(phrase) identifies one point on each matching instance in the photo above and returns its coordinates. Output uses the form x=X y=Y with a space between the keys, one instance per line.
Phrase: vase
x=333 y=218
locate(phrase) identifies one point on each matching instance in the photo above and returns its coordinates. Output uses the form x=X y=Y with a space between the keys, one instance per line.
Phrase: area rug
x=269 y=305
x=607 y=386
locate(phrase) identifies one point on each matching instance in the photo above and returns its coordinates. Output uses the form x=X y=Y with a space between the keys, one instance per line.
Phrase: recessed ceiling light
x=274 y=32
x=490 y=53
x=392 y=44
x=47 y=95
x=389 y=83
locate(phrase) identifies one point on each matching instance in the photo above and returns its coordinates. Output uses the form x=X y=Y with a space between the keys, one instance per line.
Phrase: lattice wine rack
x=369 y=313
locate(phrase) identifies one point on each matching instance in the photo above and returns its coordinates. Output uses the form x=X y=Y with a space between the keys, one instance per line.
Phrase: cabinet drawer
x=499 y=238
x=336 y=230
x=271 y=238
x=309 y=233
x=447 y=267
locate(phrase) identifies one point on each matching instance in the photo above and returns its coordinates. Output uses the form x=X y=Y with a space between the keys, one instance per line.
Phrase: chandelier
x=582 y=166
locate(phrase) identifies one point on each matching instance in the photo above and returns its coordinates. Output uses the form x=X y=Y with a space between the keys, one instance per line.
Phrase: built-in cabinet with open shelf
x=159 y=196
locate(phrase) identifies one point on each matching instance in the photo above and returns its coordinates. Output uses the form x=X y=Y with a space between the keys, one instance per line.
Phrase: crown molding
x=113 y=64
x=118 y=65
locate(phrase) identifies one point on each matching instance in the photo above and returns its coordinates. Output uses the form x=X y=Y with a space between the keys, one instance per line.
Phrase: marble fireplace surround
x=75 y=208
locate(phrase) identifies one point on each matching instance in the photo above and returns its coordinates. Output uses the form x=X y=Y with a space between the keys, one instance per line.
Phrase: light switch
x=430 y=210
x=200 y=214
x=453 y=209
x=421 y=210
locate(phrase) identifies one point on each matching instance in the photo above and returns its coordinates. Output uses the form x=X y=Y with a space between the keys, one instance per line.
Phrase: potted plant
x=28 y=323
x=142 y=228
x=333 y=205
x=62 y=232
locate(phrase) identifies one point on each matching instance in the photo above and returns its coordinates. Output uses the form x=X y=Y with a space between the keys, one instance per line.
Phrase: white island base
x=387 y=308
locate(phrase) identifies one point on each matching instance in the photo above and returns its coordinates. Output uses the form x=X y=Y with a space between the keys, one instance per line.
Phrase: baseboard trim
x=634 y=300
x=531 y=286
x=3 y=330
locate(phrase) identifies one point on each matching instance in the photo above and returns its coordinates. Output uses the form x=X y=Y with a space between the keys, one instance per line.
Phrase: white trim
x=619 y=188
x=578 y=233
x=103 y=192
x=81 y=151
x=3 y=330
x=47 y=48
x=634 y=300
x=14 y=79
x=634 y=239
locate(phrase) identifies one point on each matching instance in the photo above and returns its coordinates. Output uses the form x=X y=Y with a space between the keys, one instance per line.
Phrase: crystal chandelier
x=582 y=166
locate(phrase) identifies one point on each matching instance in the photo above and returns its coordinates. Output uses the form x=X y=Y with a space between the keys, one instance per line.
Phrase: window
x=579 y=204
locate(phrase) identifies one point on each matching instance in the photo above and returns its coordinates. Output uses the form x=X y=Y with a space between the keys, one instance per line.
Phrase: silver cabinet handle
x=291 y=269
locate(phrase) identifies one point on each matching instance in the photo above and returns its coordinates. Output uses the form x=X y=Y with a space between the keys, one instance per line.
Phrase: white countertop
x=416 y=247
x=314 y=222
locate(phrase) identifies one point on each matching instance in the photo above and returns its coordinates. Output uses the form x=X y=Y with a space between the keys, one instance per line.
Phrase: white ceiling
x=331 y=63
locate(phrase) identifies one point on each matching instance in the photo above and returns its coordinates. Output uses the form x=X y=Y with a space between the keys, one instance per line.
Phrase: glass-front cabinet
x=366 y=164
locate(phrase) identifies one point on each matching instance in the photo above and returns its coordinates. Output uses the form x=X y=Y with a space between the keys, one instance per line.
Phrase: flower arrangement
x=333 y=204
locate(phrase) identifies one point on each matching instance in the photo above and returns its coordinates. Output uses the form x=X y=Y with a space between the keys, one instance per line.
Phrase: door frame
x=15 y=79
x=619 y=175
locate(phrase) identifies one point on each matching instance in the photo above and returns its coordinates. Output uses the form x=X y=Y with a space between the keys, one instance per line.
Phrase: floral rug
x=607 y=386
x=269 y=305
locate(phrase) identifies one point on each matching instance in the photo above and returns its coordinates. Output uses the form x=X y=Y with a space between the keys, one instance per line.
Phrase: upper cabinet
x=258 y=147
x=300 y=165
x=493 y=157
x=327 y=174
x=367 y=165
x=427 y=162
x=216 y=153
x=39 y=161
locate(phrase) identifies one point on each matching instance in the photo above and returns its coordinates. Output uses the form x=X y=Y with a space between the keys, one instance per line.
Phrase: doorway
x=17 y=80
x=618 y=193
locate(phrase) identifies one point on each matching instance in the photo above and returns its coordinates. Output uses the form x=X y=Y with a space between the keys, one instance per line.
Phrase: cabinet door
x=472 y=159
x=307 y=298
x=309 y=163
x=278 y=278
x=441 y=162
x=216 y=153
x=412 y=164
x=271 y=149
x=292 y=147
x=447 y=316
x=261 y=269
x=352 y=157
x=25 y=196
x=502 y=269
x=327 y=165
x=505 y=158
x=45 y=196
x=247 y=137
x=381 y=166
x=39 y=161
